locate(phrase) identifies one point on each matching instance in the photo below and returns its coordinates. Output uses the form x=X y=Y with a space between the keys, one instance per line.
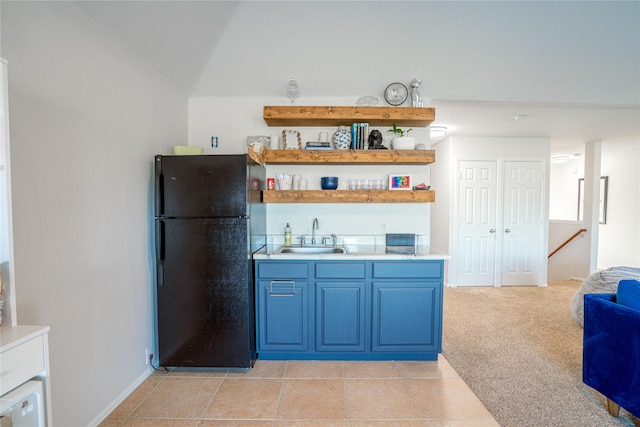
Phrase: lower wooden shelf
x=349 y=196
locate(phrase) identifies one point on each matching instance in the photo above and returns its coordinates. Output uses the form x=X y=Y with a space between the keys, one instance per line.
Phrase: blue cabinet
x=407 y=307
x=340 y=315
x=405 y=317
x=284 y=315
x=282 y=307
x=350 y=310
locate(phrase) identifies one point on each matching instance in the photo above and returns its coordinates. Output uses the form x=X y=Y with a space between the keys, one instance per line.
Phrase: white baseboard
x=121 y=397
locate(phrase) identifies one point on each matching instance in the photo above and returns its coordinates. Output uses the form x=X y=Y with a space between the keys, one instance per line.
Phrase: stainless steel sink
x=312 y=250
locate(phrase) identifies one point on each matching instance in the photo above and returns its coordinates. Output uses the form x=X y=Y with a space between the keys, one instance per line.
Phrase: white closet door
x=476 y=246
x=522 y=223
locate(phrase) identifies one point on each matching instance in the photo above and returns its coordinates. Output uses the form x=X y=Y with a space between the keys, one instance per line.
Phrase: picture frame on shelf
x=400 y=182
x=291 y=140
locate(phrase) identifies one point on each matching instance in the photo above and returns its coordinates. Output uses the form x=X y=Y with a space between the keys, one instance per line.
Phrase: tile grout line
x=346 y=395
x=284 y=376
x=213 y=397
x=405 y=383
x=133 y=411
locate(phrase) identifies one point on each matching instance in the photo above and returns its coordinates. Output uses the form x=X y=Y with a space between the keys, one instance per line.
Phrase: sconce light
x=438 y=132
x=293 y=90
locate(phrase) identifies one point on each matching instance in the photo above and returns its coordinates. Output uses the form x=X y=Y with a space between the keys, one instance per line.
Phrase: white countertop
x=11 y=336
x=356 y=252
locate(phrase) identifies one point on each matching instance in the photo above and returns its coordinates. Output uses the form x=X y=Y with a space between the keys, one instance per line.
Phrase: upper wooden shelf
x=294 y=115
x=376 y=157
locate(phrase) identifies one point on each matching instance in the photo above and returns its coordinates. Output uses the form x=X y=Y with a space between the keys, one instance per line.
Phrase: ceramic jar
x=342 y=138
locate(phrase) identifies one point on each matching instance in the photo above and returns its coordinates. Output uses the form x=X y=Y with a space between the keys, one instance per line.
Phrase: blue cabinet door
x=406 y=316
x=340 y=316
x=283 y=315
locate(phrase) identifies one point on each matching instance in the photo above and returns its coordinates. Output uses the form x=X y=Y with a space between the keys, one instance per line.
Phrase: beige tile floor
x=306 y=394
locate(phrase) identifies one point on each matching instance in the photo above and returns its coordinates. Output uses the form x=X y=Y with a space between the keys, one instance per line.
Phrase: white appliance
x=23 y=406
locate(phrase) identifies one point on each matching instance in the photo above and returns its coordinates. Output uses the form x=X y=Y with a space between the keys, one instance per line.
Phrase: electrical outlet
x=214 y=142
x=147 y=356
x=383 y=227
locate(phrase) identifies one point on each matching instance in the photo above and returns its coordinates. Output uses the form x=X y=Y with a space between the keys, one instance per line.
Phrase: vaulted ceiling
x=570 y=69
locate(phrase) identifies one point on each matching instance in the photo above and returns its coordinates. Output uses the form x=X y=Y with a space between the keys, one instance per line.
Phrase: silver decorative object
x=415 y=95
x=293 y=90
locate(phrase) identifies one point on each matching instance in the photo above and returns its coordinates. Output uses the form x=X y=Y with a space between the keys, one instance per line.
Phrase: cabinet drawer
x=283 y=270
x=340 y=270
x=21 y=363
x=409 y=270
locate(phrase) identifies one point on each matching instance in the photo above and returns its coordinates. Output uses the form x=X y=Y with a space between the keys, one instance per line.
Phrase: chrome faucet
x=333 y=238
x=314 y=227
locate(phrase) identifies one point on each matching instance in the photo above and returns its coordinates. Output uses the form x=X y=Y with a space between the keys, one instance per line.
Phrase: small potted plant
x=401 y=140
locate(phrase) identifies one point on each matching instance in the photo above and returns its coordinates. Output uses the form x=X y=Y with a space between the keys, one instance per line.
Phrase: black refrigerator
x=209 y=220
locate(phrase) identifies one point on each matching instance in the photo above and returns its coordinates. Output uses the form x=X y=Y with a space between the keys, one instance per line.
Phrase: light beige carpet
x=520 y=351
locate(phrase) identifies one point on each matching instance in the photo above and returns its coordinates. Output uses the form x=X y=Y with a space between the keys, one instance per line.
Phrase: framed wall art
x=400 y=182
x=291 y=140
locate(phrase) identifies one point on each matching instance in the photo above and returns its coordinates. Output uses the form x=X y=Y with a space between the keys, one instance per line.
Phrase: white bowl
x=404 y=143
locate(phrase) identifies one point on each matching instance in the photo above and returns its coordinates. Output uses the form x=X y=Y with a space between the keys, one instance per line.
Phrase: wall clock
x=395 y=94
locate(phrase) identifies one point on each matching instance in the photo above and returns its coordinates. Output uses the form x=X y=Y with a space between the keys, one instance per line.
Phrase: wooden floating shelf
x=345 y=116
x=318 y=157
x=349 y=196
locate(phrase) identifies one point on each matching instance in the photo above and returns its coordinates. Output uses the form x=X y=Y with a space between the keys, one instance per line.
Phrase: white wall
x=233 y=119
x=86 y=118
x=441 y=179
x=572 y=261
x=619 y=238
x=563 y=193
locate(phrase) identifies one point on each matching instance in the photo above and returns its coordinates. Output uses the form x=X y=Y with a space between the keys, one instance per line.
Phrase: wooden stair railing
x=566 y=242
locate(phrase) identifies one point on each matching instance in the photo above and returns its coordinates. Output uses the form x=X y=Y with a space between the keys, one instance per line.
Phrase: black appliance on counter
x=209 y=220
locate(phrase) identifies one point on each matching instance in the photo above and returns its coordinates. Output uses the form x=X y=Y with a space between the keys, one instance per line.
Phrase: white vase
x=404 y=143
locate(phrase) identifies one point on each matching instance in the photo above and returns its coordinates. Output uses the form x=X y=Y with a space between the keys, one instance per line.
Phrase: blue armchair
x=611 y=346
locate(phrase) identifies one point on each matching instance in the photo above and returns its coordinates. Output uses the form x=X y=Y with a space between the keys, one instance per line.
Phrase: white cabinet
x=21 y=362
x=495 y=212
x=24 y=355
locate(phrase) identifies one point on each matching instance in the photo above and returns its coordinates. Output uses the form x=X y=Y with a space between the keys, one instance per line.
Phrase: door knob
x=507 y=231
x=493 y=230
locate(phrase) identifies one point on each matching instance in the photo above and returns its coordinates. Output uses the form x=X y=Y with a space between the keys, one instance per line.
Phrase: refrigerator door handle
x=160 y=252
x=160 y=273
x=159 y=187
